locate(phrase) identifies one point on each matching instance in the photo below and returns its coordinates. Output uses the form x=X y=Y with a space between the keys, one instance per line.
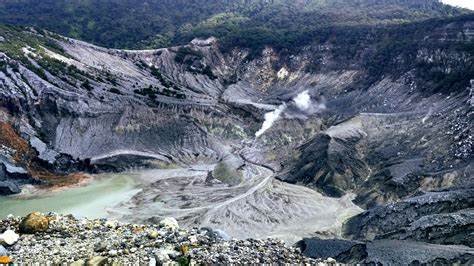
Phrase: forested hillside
x=161 y=23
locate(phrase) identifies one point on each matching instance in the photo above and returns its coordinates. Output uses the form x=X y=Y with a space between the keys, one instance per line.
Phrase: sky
x=462 y=3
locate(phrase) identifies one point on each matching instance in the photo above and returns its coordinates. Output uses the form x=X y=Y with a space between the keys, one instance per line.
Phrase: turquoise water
x=92 y=200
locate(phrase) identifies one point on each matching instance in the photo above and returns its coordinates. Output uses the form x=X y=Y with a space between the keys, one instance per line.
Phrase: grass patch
x=152 y=92
x=224 y=173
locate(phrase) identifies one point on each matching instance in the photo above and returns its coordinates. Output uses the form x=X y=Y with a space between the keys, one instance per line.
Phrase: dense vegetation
x=395 y=50
x=159 y=23
x=381 y=37
x=22 y=44
x=16 y=39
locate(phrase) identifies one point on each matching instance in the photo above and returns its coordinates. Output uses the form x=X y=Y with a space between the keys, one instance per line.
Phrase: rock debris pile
x=58 y=239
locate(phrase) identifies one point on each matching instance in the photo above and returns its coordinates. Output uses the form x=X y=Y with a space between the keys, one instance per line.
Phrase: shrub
x=115 y=90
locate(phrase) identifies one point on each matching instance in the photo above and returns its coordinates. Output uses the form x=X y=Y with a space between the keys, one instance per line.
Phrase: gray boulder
x=344 y=251
x=8 y=188
x=15 y=172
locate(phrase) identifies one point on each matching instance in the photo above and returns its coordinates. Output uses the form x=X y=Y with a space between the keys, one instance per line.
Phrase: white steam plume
x=270 y=118
x=303 y=100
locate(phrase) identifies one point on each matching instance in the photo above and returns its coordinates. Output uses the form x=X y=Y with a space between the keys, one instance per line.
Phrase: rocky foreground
x=57 y=239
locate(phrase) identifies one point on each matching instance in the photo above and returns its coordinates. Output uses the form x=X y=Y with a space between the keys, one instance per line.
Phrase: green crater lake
x=91 y=200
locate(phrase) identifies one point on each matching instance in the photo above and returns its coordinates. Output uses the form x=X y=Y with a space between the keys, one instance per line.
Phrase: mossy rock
x=33 y=223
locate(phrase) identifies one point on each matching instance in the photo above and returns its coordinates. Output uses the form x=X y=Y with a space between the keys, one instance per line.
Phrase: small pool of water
x=92 y=200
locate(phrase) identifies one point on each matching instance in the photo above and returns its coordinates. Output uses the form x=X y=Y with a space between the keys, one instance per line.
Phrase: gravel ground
x=96 y=242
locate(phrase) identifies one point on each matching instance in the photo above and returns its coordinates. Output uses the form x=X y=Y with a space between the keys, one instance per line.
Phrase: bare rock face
x=33 y=223
x=329 y=163
x=441 y=228
x=386 y=252
x=11 y=178
x=8 y=188
x=422 y=218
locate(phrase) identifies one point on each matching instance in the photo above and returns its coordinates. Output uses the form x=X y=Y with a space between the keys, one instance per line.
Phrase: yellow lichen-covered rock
x=5 y=260
x=33 y=223
x=153 y=234
x=184 y=249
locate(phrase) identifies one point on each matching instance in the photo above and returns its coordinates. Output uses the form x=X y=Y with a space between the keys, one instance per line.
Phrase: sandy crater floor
x=259 y=207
